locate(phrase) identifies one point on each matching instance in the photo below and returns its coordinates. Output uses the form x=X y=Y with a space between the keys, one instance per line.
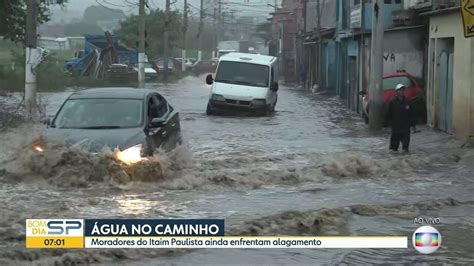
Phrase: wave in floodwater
x=326 y=221
x=333 y=221
x=73 y=167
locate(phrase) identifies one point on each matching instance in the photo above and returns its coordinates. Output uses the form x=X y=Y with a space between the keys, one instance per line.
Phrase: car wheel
x=148 y=150
x=366 y=118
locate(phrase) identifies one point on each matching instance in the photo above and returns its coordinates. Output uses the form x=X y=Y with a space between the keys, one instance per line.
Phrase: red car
x=205 y=66
x=414 y=93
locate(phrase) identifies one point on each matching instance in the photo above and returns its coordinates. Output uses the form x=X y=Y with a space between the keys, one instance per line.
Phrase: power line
x=112 y=4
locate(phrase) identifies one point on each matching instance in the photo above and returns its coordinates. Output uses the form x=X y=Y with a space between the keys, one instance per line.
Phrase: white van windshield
x=242 y=74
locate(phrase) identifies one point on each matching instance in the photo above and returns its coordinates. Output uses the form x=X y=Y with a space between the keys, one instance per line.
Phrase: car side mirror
x=158 y=122
x=46 y=121
x=362 y=93
x=275 y=86
x=209 y=79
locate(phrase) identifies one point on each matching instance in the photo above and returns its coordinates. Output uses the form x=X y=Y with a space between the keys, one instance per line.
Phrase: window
x=157 y=107
x=242 y=73
x=391 y=83
x=100 y=114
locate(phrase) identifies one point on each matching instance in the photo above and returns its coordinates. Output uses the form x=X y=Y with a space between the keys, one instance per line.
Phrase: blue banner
x=152 y=227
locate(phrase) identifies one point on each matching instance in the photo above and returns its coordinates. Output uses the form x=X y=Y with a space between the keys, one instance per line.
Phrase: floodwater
x=311 y=168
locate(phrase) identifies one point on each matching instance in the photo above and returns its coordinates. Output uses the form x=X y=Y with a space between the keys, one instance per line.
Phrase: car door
x=157 y=134
x=171 y=129
x=172 y=125
x=272 y=94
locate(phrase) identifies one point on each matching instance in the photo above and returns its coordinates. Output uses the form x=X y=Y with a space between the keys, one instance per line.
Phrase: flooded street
x=311 y=168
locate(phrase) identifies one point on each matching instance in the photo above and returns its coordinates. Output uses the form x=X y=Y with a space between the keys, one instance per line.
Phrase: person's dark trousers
x=397 y=137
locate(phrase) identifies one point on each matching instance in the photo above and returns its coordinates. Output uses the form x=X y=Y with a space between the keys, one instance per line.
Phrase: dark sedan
x=136 y=121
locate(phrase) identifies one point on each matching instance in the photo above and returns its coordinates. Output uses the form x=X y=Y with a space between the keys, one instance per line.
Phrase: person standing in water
x=400 y=116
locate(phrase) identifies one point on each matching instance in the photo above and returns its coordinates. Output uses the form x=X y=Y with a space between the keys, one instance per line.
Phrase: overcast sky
x=75 y=8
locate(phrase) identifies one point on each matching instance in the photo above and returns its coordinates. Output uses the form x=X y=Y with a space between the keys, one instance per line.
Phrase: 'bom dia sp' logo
x=54 y=227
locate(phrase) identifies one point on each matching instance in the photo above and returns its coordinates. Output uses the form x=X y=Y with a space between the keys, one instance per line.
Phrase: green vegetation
x=51 y=73
x=155 y=22
x=155 y=25
x=13 y=18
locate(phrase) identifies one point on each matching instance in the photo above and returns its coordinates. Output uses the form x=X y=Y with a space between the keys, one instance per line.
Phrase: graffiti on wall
x=389 y=57
x=411 y=62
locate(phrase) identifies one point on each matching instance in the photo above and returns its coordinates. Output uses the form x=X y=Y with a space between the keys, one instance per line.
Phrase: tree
x=92 y=14
x=155 y=23
x=13 y=18
x=193 y=32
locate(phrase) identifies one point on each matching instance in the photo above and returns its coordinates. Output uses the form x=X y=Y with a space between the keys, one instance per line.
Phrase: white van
x=244 y=82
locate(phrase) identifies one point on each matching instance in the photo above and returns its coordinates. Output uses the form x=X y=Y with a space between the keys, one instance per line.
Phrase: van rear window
x=242 y=73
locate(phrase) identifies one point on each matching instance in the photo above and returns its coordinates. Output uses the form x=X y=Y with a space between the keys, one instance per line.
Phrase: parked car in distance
x=187 y=62
x=120 y=74
x=136 y=121
x=205 y=66
x=244 y=82
x=150 y=70
x=414 y=92
x=172 y=65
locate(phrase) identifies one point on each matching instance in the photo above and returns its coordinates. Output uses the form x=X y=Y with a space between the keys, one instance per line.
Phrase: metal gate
x=445 y=88
x=353 y=83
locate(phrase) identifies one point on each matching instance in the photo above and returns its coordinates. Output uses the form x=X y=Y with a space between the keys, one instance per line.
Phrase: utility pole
x=319 y=52
x=185 y=28
x=376 y=67
x=222 y=26
x=32 y=53
x=214 y=50
x=232 y=25
x=201 y=17
x=165 y=37
x=141 y=44
x=219 y=20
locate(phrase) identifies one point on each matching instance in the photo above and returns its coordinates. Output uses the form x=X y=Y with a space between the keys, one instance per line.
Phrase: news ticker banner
x=177 y=233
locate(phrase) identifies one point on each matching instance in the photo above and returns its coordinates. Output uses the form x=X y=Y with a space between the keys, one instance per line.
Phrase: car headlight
x=38 y=145
x=217 y=97
x=131 y=155
x=38 y=148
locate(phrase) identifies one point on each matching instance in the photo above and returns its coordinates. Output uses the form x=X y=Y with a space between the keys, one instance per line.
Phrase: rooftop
x=249 y=58
x=112 y=92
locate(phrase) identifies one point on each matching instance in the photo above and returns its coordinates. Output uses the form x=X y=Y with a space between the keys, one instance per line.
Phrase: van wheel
x=274 y=105
x=209 y=110
x=266 y=110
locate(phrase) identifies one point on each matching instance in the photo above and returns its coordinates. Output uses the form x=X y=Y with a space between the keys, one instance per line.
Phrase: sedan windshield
x=242 y=74
x=100 y=114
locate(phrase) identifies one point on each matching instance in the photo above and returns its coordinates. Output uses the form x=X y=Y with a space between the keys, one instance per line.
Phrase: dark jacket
x=400 y=114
